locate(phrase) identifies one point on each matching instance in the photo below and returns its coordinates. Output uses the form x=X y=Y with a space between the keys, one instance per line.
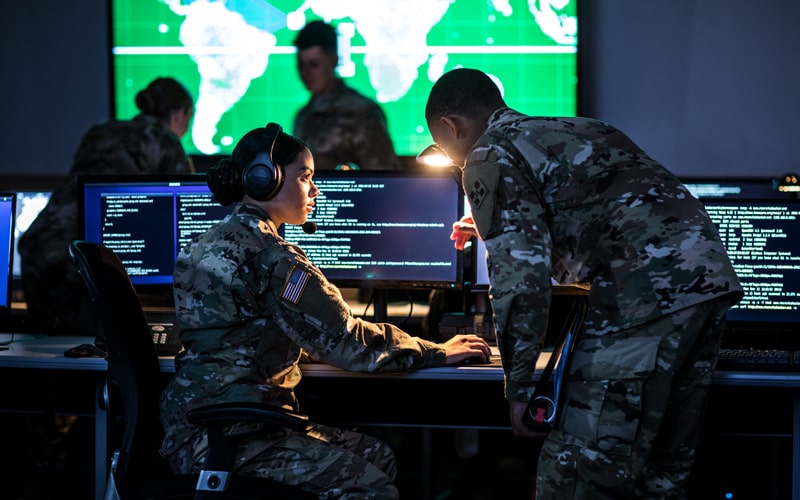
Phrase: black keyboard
x=736 y=359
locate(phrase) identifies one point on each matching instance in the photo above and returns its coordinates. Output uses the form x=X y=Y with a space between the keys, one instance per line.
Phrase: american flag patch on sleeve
x=294 y=286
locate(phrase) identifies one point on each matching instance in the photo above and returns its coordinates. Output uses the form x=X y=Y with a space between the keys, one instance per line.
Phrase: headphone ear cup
x=261 y=179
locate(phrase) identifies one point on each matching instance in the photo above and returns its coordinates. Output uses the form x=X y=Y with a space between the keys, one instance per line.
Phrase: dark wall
x=708 y=87
x=55 y=81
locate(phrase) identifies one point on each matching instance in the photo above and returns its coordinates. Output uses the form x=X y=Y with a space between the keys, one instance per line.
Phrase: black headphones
x=262 y=179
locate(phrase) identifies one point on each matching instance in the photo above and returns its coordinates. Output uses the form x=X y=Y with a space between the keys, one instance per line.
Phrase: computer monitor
x=29 y=204
x=146 y=220
x=384 y=229
x=763 y=241
x=8 y=202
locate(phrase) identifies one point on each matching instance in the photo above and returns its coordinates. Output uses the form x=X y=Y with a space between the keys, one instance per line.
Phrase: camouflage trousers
x=634 y=402
x=330 y=462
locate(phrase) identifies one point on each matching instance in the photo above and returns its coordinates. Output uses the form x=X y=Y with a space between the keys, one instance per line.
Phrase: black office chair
x=135 y=382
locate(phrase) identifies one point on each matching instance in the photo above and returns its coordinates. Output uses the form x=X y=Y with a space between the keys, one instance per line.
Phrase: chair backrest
x=134 y=376
x=133 y=367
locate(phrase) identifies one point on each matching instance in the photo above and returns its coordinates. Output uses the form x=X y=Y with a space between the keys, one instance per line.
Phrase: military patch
x=295 y=285
x=477 y=193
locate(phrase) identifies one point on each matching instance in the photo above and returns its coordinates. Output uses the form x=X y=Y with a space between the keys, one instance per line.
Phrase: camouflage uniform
x=577 y=200
x=343 y=126
x=249 y=306
x=55 y=295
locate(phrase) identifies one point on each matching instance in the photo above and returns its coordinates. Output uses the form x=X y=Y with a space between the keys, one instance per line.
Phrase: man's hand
x=463 y=230
x=517 y=410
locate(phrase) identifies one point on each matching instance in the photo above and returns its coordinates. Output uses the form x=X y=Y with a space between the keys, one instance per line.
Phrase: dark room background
x=708 y=87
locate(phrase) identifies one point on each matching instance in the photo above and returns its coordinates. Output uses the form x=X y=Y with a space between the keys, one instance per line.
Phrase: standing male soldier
x=344 y=128
x=576 y=200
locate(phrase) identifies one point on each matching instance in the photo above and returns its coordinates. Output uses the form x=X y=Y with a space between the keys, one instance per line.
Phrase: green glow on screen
x=237 y=57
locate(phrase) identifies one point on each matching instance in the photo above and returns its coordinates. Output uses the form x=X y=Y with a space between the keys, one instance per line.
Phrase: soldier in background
x=576 y=200
x=344 y=128
x=150 y=143
x=56 y=297
x=250 y=306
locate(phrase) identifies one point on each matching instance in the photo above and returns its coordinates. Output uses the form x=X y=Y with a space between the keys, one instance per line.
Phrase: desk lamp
x=435 y=157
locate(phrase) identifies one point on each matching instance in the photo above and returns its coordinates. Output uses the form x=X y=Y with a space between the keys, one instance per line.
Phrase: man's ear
x=456 y=125
x=448 y=125
x=459 y=125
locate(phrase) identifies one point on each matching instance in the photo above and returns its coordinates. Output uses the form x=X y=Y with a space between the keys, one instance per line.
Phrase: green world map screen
x=237 y=58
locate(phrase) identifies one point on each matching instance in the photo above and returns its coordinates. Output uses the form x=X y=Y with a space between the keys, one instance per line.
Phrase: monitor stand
x=379 y=305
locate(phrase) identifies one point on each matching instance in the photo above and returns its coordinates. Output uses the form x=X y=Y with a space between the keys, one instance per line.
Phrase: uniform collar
x=255 y=211
x=499 y=115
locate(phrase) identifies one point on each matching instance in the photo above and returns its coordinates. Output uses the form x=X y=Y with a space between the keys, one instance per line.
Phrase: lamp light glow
x=434 y=156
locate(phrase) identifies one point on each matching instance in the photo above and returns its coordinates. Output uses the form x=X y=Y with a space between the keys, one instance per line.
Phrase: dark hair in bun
x=162 y=96
x=225 y=182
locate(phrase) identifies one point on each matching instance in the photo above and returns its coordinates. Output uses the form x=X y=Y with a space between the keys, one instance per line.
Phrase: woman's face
x=295 y=201
x=179 y=120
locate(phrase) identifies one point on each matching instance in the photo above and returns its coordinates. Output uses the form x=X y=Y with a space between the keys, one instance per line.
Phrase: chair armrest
x=248 y=412
x=215 y=474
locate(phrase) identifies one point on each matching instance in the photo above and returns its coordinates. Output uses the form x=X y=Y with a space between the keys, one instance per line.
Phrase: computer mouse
x=84 y=351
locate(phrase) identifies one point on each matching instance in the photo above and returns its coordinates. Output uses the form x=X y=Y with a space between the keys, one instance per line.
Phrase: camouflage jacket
x=55 y=294
x=249 y=304
x=344 y=126
x=576 y=200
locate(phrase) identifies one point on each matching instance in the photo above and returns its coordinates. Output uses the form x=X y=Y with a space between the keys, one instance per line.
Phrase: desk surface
x=32 y=351
x=39 y=351
x=43 y=352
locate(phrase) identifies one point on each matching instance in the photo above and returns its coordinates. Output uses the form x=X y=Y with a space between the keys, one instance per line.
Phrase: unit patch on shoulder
x=477 y=193
x=295 y=285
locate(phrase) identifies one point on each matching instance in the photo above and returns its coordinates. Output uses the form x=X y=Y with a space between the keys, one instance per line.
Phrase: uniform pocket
x=604 y=405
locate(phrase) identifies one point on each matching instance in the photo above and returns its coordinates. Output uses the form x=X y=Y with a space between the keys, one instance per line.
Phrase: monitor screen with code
x=763 y=242
x=384 y=229
x=146 y=220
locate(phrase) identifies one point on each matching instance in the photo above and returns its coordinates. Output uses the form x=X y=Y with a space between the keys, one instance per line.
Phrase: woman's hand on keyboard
x=461 y=347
